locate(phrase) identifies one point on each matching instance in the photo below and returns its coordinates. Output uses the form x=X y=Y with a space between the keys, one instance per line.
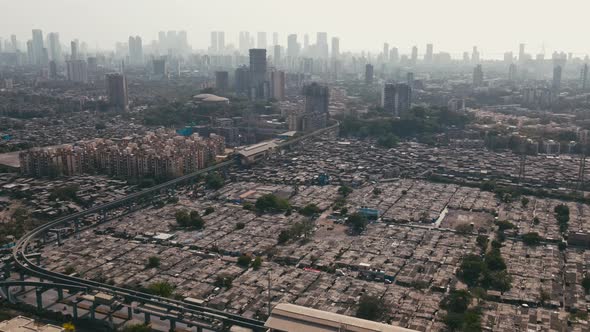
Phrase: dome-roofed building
x=210 y=98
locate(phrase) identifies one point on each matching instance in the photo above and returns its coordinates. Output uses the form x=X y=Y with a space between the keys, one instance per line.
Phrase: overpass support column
x=22 y=278
x=93 y=311
x=129 y=313
x=60 y=294
x=39 y=296
x=75 y=310
x=146 y=317
x=172 y=325
x=199 y=329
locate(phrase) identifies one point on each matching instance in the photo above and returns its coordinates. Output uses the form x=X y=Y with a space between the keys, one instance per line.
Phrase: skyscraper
x=242 y=80
x=584 y=77
x=277 y=83
x=261 y=40
x=117 y=91
x=396 y=99
x=394 y=55
x=369 y=73
x=521 y=54
x=275 y=38
x=477 y=76
x=315 y=116
x=429 y=56
x=213 y=47
x=222 y=81
x=259 y=90
x=475 y=55
x=77 y=71
x=306 y=42
x=512 y=72
x=414 y=58
x=244 y=42
x=220 y=41
x=385 y=52
x=556 y=79
x=74 y=50
x=292 y=46
x=135 y=50
x=322 y=45
x=277 y=54
x=335 y=47
x=37 y=43
x=54 y=46
x=159 y=67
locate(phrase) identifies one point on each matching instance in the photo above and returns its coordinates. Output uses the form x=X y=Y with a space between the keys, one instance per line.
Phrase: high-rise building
x=74 y=50
x=414 y=58
x=261 y=40
x=54 y=47
x=117 y=91
x=135 y=50
x=385 y=52
x=396 y=99
x=37 y=44
x=244 y=42
x=315 y=116
x=275 y=38
x=521 y=53
x=159 y=67
x=394 y=55
x=322 y=45
x=292 y=46
x=222 y=81
x=277 y=82
x=410 y=79
x=221 y=41
x=429 y=56
x=508 y=57
x=512 y=72
x=475 y=55
x=335 y=47
x=258 y=83
x=52 y=69
x=584 y=77
x=77 y=71
x=14 y=43
x=556 y=79
x=277 y=54
x=306 y=42
x=478 y=76
x=369 y=73
x=213 y=47
x=242 y=79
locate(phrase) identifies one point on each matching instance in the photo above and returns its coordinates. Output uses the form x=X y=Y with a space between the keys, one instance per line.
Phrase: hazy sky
x=452 y=25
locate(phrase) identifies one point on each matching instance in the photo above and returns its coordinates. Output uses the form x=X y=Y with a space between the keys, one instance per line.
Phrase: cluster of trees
x=189 y=219
x=310 y=210
x=487 y=272
x=223 y=280
x=214 y=181
x=460 y=317
x=370 y=307
x=272 y=203
x=66 y=193
x=357 y=223
x=562 y=215
x=297 y=230
x=418 y=122
x=246 y=261
x=161 y=288
x=152 y=262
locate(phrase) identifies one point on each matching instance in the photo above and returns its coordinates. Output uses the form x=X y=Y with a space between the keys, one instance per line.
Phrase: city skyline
x=455 y=35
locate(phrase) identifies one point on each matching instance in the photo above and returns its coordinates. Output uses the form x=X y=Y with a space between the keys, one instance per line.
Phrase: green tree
x=344 y=191
x=370 y=307
x=182 y=218
x=209 y=210
x=532 y=239
x=270 y=202
x=240 y=225
x=195 y=220
x=244 y=260
x=471 y=269
x=153 y=262
x=310 y=210
x=257 y=263
x=214 y=181
x=357 y=222
x=161 y=288
x=284 y=236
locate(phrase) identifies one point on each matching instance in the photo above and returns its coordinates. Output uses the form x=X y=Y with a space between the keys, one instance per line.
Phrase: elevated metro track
x=26 y=265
